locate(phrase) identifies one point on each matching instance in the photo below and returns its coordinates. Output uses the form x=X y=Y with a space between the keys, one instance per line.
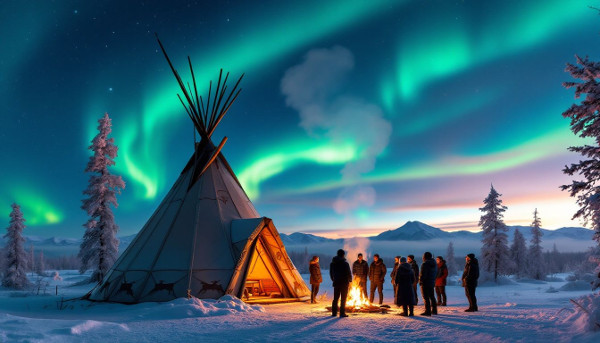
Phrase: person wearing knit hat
x=405 y=294
x=469 y=281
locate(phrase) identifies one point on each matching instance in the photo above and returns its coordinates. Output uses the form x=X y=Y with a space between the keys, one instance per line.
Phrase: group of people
x=405 y=277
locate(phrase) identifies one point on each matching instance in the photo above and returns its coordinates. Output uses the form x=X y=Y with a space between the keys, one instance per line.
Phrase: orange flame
x=356 y=298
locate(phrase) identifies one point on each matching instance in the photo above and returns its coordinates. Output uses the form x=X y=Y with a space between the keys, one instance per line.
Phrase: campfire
x=357 y=302
x=356 y=299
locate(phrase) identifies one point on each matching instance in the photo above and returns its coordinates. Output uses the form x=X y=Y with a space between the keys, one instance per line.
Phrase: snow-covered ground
x=524 y=311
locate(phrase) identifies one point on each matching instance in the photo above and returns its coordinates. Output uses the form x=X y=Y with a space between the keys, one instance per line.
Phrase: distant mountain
x=578 y=233
x=412 y=231
x=569 y=232
x=418 y=231
x=55 y=246
x=298 y=238
x=462 y=234
x=125 y=241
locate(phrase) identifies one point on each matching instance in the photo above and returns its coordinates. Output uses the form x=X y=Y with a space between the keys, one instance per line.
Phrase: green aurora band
x=36 y=208
x=526 y=152
x=426 y=56
x=453 y=52
x=256 y=49
x=294 y=154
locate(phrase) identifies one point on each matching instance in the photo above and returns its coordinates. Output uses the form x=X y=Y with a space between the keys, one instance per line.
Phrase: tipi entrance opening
x=264 y=281
x=263 y=278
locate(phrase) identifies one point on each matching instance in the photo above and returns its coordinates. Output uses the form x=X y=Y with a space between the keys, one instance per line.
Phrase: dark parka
x=442 y=274
x=377 y=271
x=428 y=273
x=339 y=271
x=405 y=278
x=415 y=268
x=393 y=273
x=471 y=273
x=360 y=269
x=315 y=273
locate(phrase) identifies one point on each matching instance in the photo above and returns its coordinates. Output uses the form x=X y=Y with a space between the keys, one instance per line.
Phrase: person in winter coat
x=315 y=278
x=440 y=281
x=360 y=270
x=427 y=282
x=469 y=281
x=405 y=294
x=340 y=274
x=411 y=260
x=393 y=275
x=377 y=272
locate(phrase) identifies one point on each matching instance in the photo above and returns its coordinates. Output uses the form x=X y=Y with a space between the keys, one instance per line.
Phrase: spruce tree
x=15 y=275
x=537 y=266
x=585 y=123
x=518 y=254
x=495 y=241
x=99 y=248
x=450 y=259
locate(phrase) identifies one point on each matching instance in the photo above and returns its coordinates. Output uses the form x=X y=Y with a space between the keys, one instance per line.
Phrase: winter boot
x=404 y=311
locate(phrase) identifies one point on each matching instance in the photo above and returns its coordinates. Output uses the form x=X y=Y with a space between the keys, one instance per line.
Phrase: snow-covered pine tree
x=518 y=254
x=16 y=257
x=585 y=123
x=450 y=259
x=99 y=248
x=536 y=267
x=494 y=251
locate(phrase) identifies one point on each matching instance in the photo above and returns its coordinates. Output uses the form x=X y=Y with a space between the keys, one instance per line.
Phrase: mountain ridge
x=409 y=231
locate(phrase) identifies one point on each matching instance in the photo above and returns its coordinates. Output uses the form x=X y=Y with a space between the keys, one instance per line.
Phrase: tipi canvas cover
x=205 y=239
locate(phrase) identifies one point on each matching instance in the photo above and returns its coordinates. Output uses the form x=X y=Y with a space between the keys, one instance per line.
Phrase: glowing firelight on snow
x=356 y=298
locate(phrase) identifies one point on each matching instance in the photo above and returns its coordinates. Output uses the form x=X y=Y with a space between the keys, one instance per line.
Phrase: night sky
x=355 y=116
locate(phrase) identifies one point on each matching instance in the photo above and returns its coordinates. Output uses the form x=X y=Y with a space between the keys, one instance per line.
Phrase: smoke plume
x=315 y=89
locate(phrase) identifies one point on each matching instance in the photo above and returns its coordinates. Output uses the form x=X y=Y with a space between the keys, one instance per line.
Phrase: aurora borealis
x=355 y=116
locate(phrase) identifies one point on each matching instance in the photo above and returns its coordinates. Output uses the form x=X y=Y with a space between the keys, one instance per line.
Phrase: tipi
x=205 y=239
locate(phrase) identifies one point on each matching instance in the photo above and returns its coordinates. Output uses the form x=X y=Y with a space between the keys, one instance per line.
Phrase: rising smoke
x=315 y=89
x=355 y=245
